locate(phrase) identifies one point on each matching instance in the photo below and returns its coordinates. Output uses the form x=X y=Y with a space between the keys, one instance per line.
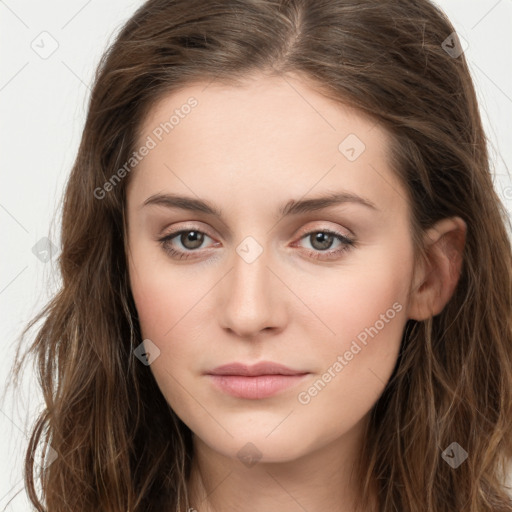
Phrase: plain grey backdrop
x=49 y=53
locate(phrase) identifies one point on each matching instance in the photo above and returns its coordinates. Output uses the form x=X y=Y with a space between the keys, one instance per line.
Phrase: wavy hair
x=120 y=446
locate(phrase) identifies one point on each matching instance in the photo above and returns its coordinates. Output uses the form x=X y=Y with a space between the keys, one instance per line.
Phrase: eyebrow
x=292 y=207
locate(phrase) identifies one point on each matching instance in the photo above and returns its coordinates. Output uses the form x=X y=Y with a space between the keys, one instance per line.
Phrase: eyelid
x=335 y=230
x=197 y=226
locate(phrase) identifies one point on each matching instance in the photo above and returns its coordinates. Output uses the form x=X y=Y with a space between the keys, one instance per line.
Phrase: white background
x=43 y=103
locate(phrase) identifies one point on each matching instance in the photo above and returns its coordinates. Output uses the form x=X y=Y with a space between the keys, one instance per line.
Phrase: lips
x=258 y=381
x=261 y=368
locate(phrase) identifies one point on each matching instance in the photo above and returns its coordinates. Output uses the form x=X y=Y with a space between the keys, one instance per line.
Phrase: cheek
x=366 y=309
x=162 y=295
x=171 y=304
x=369 y=293
x=170 y=316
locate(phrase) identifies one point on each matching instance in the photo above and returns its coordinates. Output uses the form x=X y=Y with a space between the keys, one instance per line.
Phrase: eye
x=321 y=241
x=190 y=239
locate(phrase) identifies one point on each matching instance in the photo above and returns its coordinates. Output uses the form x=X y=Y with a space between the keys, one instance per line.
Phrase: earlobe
x=440 y=271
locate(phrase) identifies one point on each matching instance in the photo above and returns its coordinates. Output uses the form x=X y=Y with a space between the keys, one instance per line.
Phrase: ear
x=437 y=275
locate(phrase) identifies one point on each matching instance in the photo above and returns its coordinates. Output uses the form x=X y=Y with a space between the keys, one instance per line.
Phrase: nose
x=252 y=300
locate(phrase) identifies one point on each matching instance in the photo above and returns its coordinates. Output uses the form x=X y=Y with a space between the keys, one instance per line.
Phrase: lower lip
x=257 y=387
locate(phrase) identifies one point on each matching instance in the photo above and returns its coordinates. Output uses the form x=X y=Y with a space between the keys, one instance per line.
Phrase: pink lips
x=258 y=381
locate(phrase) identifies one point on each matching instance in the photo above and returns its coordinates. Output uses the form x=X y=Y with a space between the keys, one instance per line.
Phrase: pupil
x=194 y=237
x=324 y=239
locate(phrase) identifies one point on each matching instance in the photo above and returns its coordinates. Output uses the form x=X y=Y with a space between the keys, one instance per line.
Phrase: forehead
x=268 y=133
x=260 y=105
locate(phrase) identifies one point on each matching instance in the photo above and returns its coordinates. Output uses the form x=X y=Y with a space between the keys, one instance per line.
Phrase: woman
x=286 y=273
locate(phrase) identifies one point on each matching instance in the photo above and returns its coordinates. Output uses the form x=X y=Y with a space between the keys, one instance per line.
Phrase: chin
x=251 y=447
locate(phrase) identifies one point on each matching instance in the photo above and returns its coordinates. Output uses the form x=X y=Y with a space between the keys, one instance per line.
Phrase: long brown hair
x=119 y=445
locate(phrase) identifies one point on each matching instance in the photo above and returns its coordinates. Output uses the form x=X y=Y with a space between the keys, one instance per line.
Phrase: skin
x=248 y=150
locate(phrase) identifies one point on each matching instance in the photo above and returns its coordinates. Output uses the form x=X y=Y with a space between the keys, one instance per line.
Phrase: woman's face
x=262 y=280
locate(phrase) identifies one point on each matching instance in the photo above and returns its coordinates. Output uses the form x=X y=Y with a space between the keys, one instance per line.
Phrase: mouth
x=255 y=388
x=254 y=382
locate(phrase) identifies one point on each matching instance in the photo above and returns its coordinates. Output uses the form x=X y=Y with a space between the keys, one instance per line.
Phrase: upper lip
x=261 y=368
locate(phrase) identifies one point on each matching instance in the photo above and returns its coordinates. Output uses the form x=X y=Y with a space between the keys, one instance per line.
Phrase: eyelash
x=347 y=244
